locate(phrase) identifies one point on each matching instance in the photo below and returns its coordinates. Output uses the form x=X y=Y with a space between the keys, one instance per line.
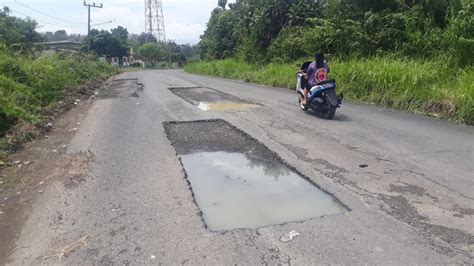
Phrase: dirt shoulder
x=43 y=160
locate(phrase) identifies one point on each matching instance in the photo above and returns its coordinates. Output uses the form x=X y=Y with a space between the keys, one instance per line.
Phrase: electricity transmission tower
x=154 y=22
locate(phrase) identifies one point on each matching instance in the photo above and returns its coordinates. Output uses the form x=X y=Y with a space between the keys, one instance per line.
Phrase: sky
x=185 y=20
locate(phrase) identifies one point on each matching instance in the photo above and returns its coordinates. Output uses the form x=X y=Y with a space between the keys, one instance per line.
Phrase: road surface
x=407 y=181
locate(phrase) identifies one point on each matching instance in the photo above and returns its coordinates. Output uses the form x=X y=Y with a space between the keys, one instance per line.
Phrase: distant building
x=61 y=45
x=131 y=59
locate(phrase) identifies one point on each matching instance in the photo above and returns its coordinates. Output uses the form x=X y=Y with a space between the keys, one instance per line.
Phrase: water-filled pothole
x=237 y=182
x=208 y=99
x=236 y=191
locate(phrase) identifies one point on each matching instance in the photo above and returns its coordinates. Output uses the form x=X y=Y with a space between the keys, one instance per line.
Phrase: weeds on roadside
x=29 y=86
x=427 y=86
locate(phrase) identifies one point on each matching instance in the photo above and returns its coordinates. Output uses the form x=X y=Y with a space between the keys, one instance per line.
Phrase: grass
x=30 y=86
x=427 y=86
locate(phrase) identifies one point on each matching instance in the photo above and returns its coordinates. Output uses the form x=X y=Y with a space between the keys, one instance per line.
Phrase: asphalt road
x=412 y=204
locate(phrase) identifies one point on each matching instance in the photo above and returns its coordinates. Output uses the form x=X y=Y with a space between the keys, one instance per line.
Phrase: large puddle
x=235 y=191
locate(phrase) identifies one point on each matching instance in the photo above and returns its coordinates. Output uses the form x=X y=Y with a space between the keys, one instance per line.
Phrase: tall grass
x=428 y=86
x=27 y=85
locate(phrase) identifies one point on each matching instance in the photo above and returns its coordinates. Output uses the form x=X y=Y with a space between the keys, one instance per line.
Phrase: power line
x=103 y=23
x=39 y=20
x=99 y=20
x=67 y=21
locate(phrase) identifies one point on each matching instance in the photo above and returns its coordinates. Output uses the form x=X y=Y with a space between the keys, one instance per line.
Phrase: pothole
x=238 y=182
x=208 y=99
x=122 y=88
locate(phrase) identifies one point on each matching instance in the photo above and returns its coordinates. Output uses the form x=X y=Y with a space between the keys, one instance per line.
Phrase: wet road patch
x=208 y=99
x=238 y=182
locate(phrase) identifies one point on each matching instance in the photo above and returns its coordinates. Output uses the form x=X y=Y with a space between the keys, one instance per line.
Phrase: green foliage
x=400 y=83
x=259 y=31
x=16 y=102
x=62 y=35
x=220 y=37
x=429 y=86
x=30 y=84
x=408 y=54
x=460 y=34
x=59 y=35
x=137 y=40
x=113 y=44
x=464 y=97
x=152 y=52
x=27 y=85
x=222 y=3
x=19 y=35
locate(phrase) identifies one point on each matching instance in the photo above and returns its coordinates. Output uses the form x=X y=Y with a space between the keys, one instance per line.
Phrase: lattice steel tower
x=154 y=21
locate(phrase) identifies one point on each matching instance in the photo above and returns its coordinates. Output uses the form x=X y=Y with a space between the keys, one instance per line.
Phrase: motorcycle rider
x=316 y=72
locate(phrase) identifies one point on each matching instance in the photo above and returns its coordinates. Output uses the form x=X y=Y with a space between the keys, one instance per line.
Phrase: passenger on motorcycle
x=315 y=73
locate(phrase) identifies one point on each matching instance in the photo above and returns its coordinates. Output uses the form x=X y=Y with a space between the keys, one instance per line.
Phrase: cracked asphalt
x=407 y=180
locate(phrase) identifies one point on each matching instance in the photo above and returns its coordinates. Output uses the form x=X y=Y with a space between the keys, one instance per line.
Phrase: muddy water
x=225 y=105
x=234 y=191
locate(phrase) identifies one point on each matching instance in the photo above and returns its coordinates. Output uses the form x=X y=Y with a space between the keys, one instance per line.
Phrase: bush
x=17 y=101
x=428 y=86
x=27 y=85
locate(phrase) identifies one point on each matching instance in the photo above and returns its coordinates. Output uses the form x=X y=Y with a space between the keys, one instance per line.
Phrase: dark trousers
x=304 y=83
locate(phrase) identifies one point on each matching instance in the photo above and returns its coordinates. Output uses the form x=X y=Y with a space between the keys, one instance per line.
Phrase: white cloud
x=185 y=33
x=185 y=20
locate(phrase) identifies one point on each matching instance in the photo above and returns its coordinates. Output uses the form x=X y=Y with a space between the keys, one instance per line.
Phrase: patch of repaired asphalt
x=202 y=95
x=411 y=190
x=122 y=88
x=463 y=211
x=400 y=208
x=216 y=135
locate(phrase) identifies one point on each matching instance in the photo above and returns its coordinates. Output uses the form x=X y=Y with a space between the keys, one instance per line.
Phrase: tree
x=189 y=51
x=120 y=33
x=137 y=40
x=152 y=52
x=18 y=34
x=262 y=30
x=146 y=38
x=222 y=3
x=105 y=43
x=60 y=35
x=219 y=40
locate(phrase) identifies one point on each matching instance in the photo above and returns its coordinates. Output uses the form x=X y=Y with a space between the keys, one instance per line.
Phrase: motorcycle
x=322 y=98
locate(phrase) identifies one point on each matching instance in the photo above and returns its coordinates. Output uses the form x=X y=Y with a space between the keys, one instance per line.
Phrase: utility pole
x=89 y=20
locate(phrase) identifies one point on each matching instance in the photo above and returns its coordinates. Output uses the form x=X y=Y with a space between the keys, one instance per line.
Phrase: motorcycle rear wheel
x=330 y=113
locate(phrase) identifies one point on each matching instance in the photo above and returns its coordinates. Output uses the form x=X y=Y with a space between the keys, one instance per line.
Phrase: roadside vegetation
x=410 y=55
x=168 y=55
x=32 y=81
